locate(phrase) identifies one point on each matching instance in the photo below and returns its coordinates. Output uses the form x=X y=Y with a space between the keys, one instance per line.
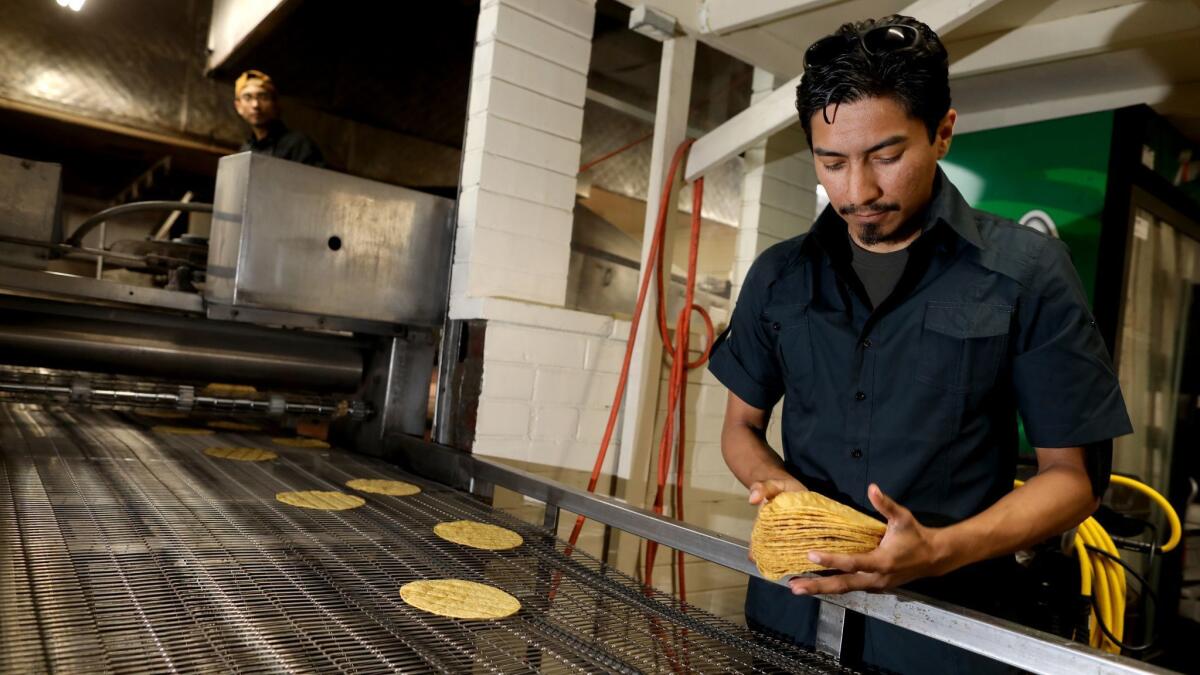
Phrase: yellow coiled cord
x=1101 y=576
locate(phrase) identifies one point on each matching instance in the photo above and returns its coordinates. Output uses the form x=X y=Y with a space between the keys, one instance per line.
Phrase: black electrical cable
x=94 y=221
x=1146 y=591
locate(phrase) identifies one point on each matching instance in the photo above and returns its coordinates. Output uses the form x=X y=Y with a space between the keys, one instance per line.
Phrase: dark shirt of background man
x=285 y=143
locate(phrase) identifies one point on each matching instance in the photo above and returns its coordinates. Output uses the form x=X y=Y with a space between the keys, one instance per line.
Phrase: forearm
x=1052 y=502
x=748 y=456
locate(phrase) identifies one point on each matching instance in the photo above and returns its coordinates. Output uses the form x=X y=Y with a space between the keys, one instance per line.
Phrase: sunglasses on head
x=875 y=42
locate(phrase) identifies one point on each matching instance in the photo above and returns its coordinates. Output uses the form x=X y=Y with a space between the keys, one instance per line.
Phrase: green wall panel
x=1059 y=167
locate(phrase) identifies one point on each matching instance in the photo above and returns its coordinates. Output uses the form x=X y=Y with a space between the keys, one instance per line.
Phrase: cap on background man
x=256 y=102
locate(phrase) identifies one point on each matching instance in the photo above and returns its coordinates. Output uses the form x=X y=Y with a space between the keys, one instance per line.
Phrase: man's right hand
x=765 y=490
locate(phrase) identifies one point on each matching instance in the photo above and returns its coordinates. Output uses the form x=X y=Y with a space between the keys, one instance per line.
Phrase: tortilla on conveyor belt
x=794 y=523
x=379 y=486
x=322 y=500
x=242 y=454
x=459 y=599
x=478 y=535
x=301 y=442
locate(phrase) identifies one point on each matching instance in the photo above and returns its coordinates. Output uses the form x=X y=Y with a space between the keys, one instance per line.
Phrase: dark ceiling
x=407 y=66
x=400 y=66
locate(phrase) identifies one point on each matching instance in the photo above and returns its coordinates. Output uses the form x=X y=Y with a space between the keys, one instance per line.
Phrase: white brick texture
x=521 y=153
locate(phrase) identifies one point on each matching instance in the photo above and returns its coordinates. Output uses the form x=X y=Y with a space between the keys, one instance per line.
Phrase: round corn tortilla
x=233 y=426
x=301 y=442
x=321 y=499
x=478 y=535
x=181 y=431
x=459 y=599
x=242 y=454
x=394 y=488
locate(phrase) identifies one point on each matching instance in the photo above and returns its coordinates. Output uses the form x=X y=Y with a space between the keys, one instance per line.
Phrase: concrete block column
x=778 y=192
x=521 y=153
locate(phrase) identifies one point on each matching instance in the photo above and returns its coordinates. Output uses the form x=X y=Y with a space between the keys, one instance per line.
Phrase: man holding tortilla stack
x=904 y=332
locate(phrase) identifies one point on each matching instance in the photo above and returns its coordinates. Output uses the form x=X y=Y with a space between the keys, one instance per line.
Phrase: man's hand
x=763 y=491
x=908 y=551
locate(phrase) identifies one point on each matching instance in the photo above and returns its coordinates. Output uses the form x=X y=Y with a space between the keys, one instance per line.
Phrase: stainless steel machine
x=125 y=548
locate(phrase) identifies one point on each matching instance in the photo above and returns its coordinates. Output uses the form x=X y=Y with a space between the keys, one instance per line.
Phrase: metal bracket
x=831 y=628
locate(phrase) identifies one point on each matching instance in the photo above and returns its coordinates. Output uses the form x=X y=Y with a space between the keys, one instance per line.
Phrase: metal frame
x=997 y=639
x=93 y=289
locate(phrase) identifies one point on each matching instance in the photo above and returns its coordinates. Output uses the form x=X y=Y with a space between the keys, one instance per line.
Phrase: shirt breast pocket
x=793 y=342
x=963 y=344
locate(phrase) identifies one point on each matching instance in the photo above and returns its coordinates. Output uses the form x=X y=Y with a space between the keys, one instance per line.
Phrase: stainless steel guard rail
x=994 y=638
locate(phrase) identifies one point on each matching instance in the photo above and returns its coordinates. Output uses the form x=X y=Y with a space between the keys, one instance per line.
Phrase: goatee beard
x=871 y=234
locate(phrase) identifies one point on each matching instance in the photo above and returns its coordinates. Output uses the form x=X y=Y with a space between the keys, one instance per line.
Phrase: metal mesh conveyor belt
x=125 y=550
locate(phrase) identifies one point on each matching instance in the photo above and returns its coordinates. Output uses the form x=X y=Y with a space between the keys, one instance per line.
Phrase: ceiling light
x=63 y=3
x=75 y=5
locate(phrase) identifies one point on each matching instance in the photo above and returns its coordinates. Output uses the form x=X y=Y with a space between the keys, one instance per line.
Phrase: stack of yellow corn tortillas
x=794 y=523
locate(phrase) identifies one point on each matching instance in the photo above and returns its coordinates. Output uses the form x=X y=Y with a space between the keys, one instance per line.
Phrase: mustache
x=876 y=207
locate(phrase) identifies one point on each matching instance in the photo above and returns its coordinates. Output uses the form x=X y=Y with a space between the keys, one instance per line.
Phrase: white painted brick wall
x=555 y=423
x=525 y=106
x=517 y=66
x=572 y=15
x=538 y=35
x=522 y=143
x=508 y=380
x=560 y=385
x=498 y=417
x=483 y=279
x=521 y=344
x=482 y=208
x=521 y=153
x=531 y=255
x=544 y=352
x=518 y=179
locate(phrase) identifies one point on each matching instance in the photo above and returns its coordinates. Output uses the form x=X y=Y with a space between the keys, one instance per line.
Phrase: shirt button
x=775 y=326
x=856 y=453
x=866 y=343
x=860 y=396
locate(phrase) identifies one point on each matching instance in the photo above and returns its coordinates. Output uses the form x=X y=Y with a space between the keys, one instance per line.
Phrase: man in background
x=255 y=99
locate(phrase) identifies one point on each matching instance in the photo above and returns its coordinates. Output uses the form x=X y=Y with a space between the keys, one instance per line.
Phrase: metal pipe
x=97 y=345
x=136 y=207
x=182 y=398
x=86 y=253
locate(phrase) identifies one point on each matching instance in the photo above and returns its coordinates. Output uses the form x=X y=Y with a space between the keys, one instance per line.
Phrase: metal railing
x=1004 y=641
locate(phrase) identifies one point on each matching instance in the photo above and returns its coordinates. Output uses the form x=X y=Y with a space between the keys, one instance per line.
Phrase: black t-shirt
x=878 y=272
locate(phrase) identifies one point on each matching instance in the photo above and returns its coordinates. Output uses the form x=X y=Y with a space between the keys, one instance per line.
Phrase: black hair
x=917 y=78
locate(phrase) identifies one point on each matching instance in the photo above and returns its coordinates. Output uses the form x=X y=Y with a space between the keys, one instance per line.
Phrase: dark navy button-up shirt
x=921 y=394
x=287 y=144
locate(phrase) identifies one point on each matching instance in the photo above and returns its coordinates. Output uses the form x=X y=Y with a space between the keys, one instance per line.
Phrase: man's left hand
x=907 y=551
